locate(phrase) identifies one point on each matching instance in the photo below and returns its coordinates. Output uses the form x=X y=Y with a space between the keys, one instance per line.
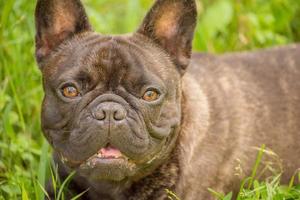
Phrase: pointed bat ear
x=171 y=24
x=56 y=21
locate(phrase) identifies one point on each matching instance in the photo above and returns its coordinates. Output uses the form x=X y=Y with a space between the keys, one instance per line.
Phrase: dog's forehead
x=109 y=57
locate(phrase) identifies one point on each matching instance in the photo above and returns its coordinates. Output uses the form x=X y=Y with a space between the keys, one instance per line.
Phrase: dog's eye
x=151 y=95
x=70 y=91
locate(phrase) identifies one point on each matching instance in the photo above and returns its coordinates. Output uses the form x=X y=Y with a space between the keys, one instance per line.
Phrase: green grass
x=224 y=25
x=269 y=189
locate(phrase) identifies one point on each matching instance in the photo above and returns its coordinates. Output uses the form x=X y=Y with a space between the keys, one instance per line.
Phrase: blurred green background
x=223 y=25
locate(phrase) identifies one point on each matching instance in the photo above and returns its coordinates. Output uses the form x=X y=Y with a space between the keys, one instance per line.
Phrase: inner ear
x=170 y=20
x=56 y=21
x=171 y=24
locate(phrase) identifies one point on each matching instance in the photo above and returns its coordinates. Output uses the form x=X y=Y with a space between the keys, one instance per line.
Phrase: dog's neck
x=193 y=128
x=165 y=177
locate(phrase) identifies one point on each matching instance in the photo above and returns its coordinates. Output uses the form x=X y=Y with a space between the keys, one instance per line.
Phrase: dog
x=136 y=114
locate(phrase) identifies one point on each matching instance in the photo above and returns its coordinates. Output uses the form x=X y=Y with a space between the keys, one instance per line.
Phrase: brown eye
x=151 y=95
x=70 y=91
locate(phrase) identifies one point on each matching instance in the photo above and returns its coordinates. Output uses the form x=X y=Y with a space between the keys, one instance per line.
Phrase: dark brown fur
x=205 y=132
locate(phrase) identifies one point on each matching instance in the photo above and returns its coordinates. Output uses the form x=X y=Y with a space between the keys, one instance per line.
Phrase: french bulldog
x=136 y=114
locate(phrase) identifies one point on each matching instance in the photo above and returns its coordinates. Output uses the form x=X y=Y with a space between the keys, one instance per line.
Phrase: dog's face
x=112 y=106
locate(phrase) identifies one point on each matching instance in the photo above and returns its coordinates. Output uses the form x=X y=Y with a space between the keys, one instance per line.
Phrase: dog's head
x=112 y=105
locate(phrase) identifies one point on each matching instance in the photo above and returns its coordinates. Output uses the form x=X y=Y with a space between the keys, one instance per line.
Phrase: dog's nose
x=110 y=111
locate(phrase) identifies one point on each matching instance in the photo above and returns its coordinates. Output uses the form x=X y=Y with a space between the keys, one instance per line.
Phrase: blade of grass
x=256 y=165
x=24 y=193
x=79 y=195
x=216 y=194
x=64 y=185
x=42 y=167
x=44 y=191
x=54 y=179
x=172 y=195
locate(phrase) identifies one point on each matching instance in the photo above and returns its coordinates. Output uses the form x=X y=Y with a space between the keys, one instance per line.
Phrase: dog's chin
x=107 y=164
x=112 y=169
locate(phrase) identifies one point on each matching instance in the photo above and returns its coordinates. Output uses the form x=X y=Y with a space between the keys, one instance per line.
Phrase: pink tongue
x=110 y=152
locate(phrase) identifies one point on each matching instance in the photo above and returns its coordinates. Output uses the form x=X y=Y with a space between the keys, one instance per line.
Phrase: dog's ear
x=171 y=24
x=56 y=21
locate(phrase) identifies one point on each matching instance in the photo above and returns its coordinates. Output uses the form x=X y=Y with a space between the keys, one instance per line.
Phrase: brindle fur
x=214 y=116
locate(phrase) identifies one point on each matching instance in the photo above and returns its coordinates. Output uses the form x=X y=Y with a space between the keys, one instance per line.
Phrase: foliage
x=238 y=25
x=270 y=189
x=224 y=25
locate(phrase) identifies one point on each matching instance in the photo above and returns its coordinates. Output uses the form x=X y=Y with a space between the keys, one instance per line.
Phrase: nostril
x=100 y=115
x=119 y=114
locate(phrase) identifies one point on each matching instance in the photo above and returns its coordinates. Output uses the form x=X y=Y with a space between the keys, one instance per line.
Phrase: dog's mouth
x=109 y=163
x=109 y=152
x=106 y=155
